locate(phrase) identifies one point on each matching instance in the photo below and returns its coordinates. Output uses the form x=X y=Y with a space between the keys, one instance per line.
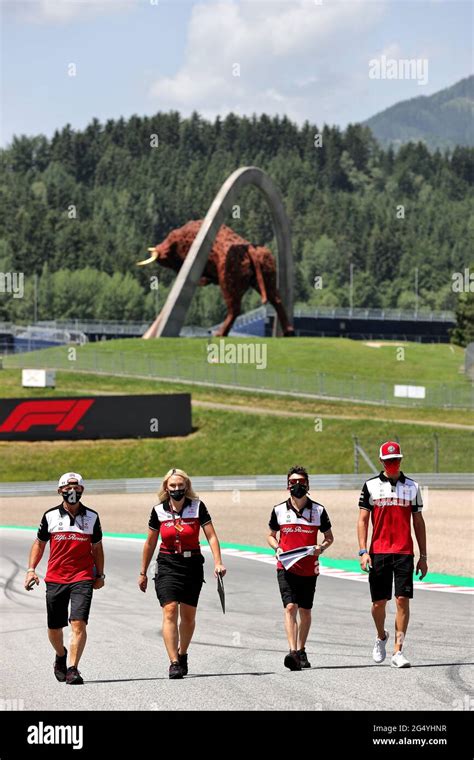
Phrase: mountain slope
x=442 y=120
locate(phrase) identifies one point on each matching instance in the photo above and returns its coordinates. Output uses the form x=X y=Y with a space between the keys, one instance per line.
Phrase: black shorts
x=179 y=579
x=58 y=596
x=297 y=589
x=386 y=568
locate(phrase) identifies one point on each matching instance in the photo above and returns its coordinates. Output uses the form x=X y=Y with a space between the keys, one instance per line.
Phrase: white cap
x=64 y=479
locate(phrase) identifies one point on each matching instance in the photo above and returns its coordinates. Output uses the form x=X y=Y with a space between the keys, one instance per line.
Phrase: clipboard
x=220 y=591
x=291 y=557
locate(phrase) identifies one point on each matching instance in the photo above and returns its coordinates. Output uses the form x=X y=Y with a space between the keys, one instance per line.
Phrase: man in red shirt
x=298 y=520
x=75 y=568
x=392 y=499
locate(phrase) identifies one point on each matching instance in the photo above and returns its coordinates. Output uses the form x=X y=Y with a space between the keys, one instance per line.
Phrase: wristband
x=31 y=570
x=142 y=574
x=423 y=556
x=362 y=552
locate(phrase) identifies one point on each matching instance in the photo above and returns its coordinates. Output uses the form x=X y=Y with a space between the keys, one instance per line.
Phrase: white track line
x=333 y=572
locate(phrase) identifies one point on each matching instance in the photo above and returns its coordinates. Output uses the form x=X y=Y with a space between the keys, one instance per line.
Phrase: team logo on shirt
x=392 y=502
x=296 y=529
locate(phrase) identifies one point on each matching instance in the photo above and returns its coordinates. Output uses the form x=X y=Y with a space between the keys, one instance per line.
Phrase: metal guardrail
x=34 y=334
x=243 y=376
x=132 y=328
x=39 y=332
x=439 y=480
x=328 y=312
x=105 y=326
x=399 y=315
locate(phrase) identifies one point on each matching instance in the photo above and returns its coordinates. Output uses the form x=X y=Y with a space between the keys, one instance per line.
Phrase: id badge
x=178 y=527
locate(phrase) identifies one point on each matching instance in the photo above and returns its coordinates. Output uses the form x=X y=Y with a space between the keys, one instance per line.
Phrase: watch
x=362 y=552
x=98 y=577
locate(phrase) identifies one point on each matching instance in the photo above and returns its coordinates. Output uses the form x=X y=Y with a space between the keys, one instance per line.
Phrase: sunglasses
x=296 y=481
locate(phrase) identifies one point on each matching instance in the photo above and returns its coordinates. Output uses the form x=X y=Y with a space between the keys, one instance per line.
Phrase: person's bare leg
x=187 y=624
x=170 y=629
x=78 y=641
x=56 y=637
x=304 y=626
x=401 y=621
x=291 y=624
x=378 y=614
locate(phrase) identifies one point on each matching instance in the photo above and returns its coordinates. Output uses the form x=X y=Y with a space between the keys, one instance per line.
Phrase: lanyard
x=177 y=527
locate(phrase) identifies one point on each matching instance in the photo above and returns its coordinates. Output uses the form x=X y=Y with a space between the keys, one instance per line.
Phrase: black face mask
x=72 y=496
x=298 y=490
x=178 y=494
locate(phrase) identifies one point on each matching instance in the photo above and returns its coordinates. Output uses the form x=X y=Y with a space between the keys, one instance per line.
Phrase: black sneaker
x=292 y=661
x=303 y=658
x=175 y=670
x=60 y=666
x=73 y=677
x=183 y=661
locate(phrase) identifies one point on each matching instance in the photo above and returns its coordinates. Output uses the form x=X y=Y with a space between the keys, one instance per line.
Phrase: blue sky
x=303 y=58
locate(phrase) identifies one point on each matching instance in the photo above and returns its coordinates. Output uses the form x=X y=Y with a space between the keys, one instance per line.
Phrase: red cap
x=390 y=450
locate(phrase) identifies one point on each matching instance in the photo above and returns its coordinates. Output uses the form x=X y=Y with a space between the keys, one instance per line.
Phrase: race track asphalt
x=236 y=659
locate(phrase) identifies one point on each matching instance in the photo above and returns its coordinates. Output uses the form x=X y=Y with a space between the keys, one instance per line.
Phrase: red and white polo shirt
x=70 y=555
x=188 y=521
x=391 y=505
x=299 y=529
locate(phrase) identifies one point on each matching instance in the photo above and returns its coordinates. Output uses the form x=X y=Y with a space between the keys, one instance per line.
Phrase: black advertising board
x=83 y=417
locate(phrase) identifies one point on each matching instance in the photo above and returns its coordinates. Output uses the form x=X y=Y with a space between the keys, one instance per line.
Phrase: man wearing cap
x=392 y=499
x=75 y=568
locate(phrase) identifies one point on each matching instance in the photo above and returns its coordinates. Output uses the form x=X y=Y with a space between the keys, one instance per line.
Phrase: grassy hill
x=246 y=436
x=420 y=364
x=443 y=120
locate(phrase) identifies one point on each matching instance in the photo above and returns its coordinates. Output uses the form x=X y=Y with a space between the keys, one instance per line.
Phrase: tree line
x=80 y=209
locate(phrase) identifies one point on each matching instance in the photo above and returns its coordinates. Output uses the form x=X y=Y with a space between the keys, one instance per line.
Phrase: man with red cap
x=392 y=499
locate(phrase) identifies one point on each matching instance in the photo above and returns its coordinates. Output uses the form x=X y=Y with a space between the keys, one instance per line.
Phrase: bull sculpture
x=234 y=264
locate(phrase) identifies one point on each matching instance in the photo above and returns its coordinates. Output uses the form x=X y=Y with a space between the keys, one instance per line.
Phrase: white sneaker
x=379 y=652
x=400 y=661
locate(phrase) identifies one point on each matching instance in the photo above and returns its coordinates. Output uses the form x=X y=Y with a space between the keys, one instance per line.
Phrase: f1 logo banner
x=49 y=419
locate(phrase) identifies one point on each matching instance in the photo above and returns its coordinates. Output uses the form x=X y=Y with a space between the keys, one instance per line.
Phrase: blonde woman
x=178 y=517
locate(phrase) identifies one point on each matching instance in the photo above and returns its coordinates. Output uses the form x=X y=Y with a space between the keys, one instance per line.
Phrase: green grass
x=234 y=443
x=238 y=443
x=423 y=364
x=78 y=383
